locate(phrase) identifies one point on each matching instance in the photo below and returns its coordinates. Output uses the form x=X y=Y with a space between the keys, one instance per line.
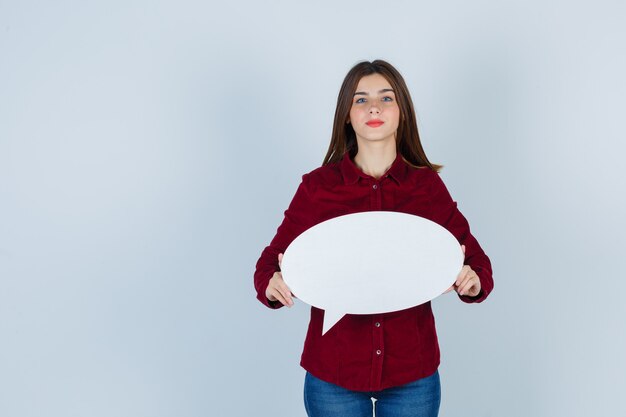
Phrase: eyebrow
x=384 y=90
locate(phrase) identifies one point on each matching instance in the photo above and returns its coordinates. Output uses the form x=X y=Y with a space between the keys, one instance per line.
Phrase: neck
x=375 y=159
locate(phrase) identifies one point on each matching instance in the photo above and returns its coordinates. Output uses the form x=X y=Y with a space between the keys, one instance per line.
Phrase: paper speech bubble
x=371 y=262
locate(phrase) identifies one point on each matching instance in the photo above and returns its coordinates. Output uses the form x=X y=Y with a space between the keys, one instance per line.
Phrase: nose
x=374 y=109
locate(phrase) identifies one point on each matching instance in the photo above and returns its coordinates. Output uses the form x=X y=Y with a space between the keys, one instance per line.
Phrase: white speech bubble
x=371 y=262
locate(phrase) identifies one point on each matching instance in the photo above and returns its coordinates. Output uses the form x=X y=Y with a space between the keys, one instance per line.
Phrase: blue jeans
x=420 y=398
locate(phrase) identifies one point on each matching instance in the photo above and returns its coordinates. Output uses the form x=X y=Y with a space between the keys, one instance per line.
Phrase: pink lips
x=374 y=123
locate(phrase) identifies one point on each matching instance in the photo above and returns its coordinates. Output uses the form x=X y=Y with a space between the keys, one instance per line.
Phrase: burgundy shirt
x=371 y=352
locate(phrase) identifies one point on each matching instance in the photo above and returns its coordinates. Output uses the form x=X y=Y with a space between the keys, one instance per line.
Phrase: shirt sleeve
x=446 y=213
x=298 y=218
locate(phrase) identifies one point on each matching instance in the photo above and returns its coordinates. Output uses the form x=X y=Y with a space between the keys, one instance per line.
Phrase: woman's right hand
x=277 y=289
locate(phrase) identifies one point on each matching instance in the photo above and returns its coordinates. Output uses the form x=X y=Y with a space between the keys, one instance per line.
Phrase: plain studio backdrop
x=148 y=151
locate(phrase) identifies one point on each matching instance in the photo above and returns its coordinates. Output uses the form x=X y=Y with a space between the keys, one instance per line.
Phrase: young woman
x=375 y=161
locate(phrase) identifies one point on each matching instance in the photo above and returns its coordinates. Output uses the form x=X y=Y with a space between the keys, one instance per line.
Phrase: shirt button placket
x=376 y=198
x=377 y=325
x=377 y=365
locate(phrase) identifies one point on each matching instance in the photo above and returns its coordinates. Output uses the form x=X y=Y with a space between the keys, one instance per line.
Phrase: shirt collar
x=351 y=172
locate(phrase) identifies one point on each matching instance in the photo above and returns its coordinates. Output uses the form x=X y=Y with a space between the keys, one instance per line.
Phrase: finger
x=462 y=287
x=268 y=291
x=287 y=301
x=286 y=293
x=278 y=296
x=449 y=289
x=470 y=290
x=463 y=248
x=280 y=259
x=465 y=287
x=462 y=275
x=474 y=290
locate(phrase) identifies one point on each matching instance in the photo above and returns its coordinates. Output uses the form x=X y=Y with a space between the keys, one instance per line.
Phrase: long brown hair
x=343 y=138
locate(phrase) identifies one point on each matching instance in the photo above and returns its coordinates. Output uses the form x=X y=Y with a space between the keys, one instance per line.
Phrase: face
x=374 y=99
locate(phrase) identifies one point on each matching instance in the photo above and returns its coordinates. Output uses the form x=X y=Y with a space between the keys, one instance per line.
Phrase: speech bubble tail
x=330 y=318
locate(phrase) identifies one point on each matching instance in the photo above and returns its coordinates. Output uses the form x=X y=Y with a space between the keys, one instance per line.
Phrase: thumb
x=463 y=249
x=280 y=259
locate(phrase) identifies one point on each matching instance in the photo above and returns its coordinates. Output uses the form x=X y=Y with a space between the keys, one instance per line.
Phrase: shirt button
x=378 y=352
x=377 y=324
x=374 y=186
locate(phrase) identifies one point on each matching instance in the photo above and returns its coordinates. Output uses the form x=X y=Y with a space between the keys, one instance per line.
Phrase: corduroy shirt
x=371 y=352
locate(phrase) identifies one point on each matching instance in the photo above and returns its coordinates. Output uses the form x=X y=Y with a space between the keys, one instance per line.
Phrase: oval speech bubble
x=371 y=262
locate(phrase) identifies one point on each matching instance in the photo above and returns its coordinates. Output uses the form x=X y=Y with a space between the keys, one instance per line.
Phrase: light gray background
x=148 y=151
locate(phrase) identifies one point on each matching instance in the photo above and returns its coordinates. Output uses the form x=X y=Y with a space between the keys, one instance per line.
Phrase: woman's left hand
x=467 y=283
